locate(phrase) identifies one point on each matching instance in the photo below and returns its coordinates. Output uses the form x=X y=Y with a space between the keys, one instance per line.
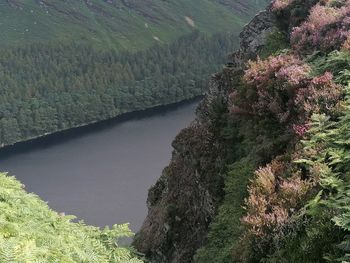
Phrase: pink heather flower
x=326 y=78
x=262 y=73
x=326 y=27
x=321 y=16
x=294 y=74
x=272 y=198
x=281 y=4
x=300 y=130
x=319 y=96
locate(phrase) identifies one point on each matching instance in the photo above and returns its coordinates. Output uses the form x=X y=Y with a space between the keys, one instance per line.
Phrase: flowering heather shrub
x=281 y=87
x=272 y=198
x=293 y=74
x=300 y=130
x=322 y=15
x=274 y=82
x=281 y=4
x=264 y=73
x=327 y=27
x=320 y=96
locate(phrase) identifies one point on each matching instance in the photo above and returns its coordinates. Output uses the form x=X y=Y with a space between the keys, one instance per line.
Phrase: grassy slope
x=118 y=24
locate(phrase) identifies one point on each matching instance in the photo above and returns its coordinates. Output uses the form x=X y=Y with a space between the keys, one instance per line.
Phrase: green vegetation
x=31 y=232
x=120 y=25
x=47 y=88
x=65 y=64
x=290 y=112
x=276 y=42
x=323 y=227
x=226 y=228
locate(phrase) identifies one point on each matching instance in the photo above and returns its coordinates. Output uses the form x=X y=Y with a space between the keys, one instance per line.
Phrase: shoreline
x=74 y=132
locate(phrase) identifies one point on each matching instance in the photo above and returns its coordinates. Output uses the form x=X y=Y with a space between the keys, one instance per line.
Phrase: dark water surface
x=101 y=173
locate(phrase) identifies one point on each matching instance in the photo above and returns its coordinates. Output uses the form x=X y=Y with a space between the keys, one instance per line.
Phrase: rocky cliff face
x=253 y=37
x=185 y=199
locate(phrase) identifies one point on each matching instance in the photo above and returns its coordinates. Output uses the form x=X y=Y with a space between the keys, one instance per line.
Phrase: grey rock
x=253 y=38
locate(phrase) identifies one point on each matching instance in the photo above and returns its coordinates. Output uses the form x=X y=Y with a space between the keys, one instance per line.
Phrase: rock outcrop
x=253 y=37
x=185 y=199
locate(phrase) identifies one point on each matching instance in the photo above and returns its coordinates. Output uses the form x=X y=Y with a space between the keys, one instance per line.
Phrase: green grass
x=116 y=25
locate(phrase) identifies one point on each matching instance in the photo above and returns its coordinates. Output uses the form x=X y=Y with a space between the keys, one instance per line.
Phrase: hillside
x=65 y=64
x=118 y=24
x=262 y=174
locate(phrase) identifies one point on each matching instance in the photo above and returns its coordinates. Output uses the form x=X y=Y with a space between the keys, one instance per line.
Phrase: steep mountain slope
x=184 y=201
x=120 y=24
x=262 y=174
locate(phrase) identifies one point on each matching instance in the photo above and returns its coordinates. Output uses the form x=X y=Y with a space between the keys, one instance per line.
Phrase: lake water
x=101 y=173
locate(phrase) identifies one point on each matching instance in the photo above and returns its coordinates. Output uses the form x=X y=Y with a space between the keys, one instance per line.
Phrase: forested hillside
x=262 y=175
x=118 y=24
x=65 y=64
x=47 y=88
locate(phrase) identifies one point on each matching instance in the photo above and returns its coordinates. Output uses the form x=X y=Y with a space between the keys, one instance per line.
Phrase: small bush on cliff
x=326 y=156
x=276 y=42
x=31 y=232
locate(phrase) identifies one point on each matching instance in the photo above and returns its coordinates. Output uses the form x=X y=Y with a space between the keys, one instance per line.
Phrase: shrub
x=326 y=156
x=320 y=96
x=272 y=197
x=272 y=85
x=265 y=73
x=281 y=4
x=326 y=28
x=275 y=43
x=282 y=88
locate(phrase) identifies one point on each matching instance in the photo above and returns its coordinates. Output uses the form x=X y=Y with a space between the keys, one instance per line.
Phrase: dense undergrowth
x=31 y=232
x=289 y=120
